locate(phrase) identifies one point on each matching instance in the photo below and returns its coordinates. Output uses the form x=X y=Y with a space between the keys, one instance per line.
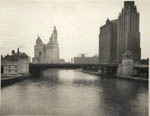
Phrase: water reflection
x=121 y=100
x=72 y=93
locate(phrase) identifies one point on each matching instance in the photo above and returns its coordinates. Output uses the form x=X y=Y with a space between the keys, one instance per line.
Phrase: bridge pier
x=100 y=70
x=105 y=70
x=136 y=72
x=128 y=69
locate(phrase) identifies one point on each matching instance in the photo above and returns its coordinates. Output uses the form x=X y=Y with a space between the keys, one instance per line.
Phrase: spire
x=53 y=37
x=39 y=41
x=38 y=37
x=18 y=51
x=54 y=31
x=107 y=21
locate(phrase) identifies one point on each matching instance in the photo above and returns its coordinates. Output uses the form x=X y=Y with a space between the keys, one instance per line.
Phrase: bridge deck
x=39 y=65
x=84 y=65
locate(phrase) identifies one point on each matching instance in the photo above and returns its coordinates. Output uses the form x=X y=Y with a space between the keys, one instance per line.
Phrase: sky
x=77 y=23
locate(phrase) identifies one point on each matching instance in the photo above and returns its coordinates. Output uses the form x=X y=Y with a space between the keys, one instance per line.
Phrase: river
x=60 y=92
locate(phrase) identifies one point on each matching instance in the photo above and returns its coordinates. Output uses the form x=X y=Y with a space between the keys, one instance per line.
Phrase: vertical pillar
x=135 y=72
x=100 y=70
x=105 y=70
x=119 y=70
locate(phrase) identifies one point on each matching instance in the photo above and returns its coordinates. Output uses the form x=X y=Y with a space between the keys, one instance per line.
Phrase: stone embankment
x=10 y=79
x=144 y=79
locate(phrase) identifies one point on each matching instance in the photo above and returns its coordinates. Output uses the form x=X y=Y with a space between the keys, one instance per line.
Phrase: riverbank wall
x=143 y=79
x=8 y=80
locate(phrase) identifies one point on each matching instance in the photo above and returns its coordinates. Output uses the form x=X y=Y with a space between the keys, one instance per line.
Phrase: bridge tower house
x=126 y=68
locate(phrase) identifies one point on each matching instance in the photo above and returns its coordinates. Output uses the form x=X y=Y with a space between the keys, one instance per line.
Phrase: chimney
x=18 y=51
x=13 y=52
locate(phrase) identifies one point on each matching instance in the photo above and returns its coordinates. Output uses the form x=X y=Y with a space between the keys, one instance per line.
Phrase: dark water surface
x=73 y=93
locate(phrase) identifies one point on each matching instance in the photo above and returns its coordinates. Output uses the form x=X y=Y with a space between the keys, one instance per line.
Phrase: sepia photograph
x=74 y=57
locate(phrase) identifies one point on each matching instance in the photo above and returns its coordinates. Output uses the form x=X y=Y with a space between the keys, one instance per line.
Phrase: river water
x=60 y=92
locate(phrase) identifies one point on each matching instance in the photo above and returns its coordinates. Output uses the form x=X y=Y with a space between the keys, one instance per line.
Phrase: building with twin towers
x=47 y=53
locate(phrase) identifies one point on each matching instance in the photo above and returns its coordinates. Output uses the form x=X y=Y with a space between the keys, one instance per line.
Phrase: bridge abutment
x=126 y=68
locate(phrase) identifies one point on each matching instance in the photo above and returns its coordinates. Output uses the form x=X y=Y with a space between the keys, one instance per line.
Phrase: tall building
x=121 y=35
x=128 y=31
x=47 y=53
x=108 y=42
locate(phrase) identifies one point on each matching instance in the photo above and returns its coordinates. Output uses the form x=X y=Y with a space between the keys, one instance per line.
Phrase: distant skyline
x=77 y=23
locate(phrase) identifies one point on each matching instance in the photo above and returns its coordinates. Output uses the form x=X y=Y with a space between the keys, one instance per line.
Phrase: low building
x=16 y=67
x=10 y=67
x=86 y=60
x=62 y=61
x=17 y=63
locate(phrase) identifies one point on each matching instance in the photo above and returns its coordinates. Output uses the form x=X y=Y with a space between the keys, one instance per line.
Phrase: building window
x=15 y=70
x=9 y=66
x=9 y=71
x=15 y=66
x=40 y=53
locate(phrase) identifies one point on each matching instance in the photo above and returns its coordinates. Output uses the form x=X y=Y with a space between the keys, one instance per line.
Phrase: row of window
x=13 y=71
x=11 y=66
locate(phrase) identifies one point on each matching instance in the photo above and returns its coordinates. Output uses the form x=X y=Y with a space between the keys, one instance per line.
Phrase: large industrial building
x=120 y=35
x=108 y=42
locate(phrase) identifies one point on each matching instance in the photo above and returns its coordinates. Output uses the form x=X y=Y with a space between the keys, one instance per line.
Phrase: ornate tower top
x=55 y=31
x=107 y=21
x=129 y=5
x=54 y=35
x=39 y=41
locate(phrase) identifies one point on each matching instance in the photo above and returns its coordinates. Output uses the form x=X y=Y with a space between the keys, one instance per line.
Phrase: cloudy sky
x=77 y=22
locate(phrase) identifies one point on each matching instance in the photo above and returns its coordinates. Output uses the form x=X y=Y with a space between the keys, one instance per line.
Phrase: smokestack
x=18 y=51
x=13 y=52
